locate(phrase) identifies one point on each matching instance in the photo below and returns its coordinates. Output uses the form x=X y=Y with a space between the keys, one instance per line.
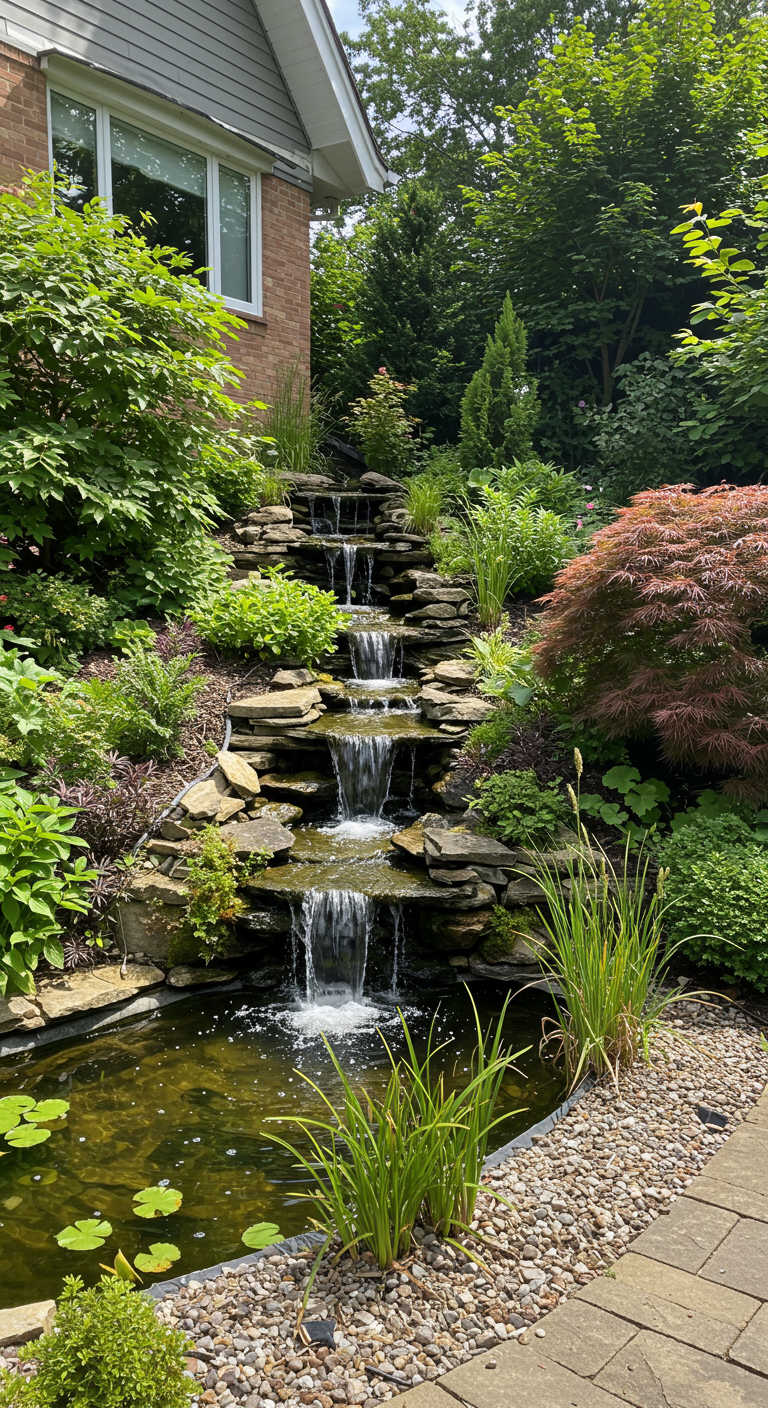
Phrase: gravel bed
x=580 y=1195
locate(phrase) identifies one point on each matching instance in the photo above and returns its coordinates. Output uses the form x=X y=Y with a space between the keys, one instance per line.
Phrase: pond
x=183 y=1096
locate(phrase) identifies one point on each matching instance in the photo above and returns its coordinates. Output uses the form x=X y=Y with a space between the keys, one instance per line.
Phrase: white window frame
x=174 y=125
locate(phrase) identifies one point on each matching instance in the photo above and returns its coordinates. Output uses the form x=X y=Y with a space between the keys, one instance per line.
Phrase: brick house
x=231 y=121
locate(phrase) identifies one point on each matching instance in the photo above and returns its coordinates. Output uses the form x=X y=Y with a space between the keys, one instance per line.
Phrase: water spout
x=396 y=910
x=350 y=559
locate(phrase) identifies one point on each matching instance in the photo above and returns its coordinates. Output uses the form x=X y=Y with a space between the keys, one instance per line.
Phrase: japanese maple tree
x=653 y=631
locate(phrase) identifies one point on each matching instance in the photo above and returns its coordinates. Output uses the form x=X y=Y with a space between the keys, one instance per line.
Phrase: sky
x=345 y=15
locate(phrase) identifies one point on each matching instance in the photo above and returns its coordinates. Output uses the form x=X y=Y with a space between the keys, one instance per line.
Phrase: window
x=198 y=204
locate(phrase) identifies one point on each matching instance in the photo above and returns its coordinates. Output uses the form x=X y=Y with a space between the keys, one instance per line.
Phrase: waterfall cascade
x=333 y=928
x=362 y=763
x=373 y=654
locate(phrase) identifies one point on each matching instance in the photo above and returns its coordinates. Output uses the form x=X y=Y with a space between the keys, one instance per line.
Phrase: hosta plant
x=273 y=616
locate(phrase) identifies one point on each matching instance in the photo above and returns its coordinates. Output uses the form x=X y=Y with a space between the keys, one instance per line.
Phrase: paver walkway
x=680 y=1321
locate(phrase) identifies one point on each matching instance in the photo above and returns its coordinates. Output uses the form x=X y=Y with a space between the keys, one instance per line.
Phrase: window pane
x=235 y=222
x=150 y=174
x=73 y=138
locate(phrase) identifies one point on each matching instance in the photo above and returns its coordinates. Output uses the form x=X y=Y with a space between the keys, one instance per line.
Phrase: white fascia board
x=329 y=105
x=168 y=118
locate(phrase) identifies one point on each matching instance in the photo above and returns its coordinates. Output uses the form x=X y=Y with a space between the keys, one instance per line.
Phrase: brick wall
x=23 y=118
x=283 y=333
x=264 y=344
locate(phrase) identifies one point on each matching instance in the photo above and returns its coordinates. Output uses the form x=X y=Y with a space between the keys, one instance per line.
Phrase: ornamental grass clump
x=602 y=948
x=380 y=1165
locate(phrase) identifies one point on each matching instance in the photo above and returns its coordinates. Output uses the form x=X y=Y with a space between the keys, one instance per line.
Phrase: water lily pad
x=261 y=1234
x=160 y=1256
x=25 y=1135
x=83 y=1236
x=12 y=1108
x=156 y=1201
x=11 y=1204
x=38 y=1177
x=47 y=1110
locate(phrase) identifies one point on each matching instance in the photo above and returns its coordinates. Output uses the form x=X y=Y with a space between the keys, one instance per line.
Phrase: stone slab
x=642 y=1308
x=583 y=1337
x=686 y=1235
x=459 y=847
x=230 y=806
x=759 y=1112
x=743 y=1160
x=727 y=1195
x=203 y=799
x=27 y=1322
x=261 y=834
x=751 y=1348
x=741 y=1260
x=153 y=885
x=239 y=774
x=680 y=1287
x=18 y=1014
x=655 y=1372
x=99 y=987
x=184 y=975
x=520 y=1376
x=426 y=1396
x=278 y=704
x=301 y=786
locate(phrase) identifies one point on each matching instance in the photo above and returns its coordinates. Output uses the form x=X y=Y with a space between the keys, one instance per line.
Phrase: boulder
x=435 y=611
x=278 y=704
x=239 y=774
x=454 y=933
x=455 y=846
x=152 y=885
x=171 y=830
x=187 y=975
x=18 y=1014
x=260 y=835
x=284 y=812
x=411 y=840
x=452 y=595
x=292 y=679
x=308 y=786
x=270 y=513
x=380 y=483
x=230 y=806
x=203 y=799
x=456 y=674
x=22 y=1323
x=452 y=708
x=85 y=991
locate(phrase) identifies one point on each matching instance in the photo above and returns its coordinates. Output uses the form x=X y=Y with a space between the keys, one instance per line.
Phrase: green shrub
x=146 y=703
x=535 y=484
x=297 y=422
x=45 y=719
x=717 y=890
x=381 y=426
x=60 y=615
x=487 y=741
x=40 y=881
x=275 y=615
x=241 y=484
x=450 y=550
x=511 y=548
x=500 y=406
x=424 y=501
x=212 y=881
x=518 y=809
x=112 y=358
x=108 y=1348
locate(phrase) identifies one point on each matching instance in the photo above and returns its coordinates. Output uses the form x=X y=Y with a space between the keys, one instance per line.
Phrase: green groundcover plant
x=107 y=1350
x=146 y=703
x=717 y=891
x=113 y=377
x=518 y=809
x=273 y=615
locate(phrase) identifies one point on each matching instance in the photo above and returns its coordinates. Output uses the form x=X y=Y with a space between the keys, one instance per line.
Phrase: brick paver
x=681 y=1320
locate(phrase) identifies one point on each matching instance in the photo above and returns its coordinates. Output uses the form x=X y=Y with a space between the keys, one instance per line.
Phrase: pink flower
x=7 y=628
x=582 y=404
x=587 y=488
x=382 y=371
x=590 y=505
x=579 y=523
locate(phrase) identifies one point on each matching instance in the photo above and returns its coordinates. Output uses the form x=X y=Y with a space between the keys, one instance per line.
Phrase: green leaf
x=261 y=1234
x=156 y=1201
x=25 y=1136
x=160 y=1256
x=85 y=1235
x=47 y=1110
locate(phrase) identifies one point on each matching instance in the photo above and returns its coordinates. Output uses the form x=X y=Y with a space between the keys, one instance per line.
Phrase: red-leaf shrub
x=651 y=631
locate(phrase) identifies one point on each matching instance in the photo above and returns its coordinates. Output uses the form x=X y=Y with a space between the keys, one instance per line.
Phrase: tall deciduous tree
x=607 y=143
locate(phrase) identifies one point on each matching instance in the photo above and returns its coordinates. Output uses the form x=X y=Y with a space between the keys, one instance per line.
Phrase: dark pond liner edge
x=304 y=1241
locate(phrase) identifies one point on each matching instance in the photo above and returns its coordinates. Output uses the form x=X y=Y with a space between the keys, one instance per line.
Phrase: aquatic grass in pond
x=415 y=1152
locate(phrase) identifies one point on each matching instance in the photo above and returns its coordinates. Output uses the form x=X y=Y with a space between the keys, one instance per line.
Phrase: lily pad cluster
x=92 y=1232
x=22 y=1119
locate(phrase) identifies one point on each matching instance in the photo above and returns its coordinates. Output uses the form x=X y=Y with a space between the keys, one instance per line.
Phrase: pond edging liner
x=303 y=1241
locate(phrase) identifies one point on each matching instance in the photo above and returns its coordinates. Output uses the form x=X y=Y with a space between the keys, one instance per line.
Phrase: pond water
x=183 y=1096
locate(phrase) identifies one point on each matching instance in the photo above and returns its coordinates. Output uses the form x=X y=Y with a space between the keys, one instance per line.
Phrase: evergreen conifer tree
x=500 y=407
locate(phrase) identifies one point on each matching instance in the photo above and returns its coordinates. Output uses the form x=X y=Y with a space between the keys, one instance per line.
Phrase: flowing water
x=184 y=1096
x=363 y=767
